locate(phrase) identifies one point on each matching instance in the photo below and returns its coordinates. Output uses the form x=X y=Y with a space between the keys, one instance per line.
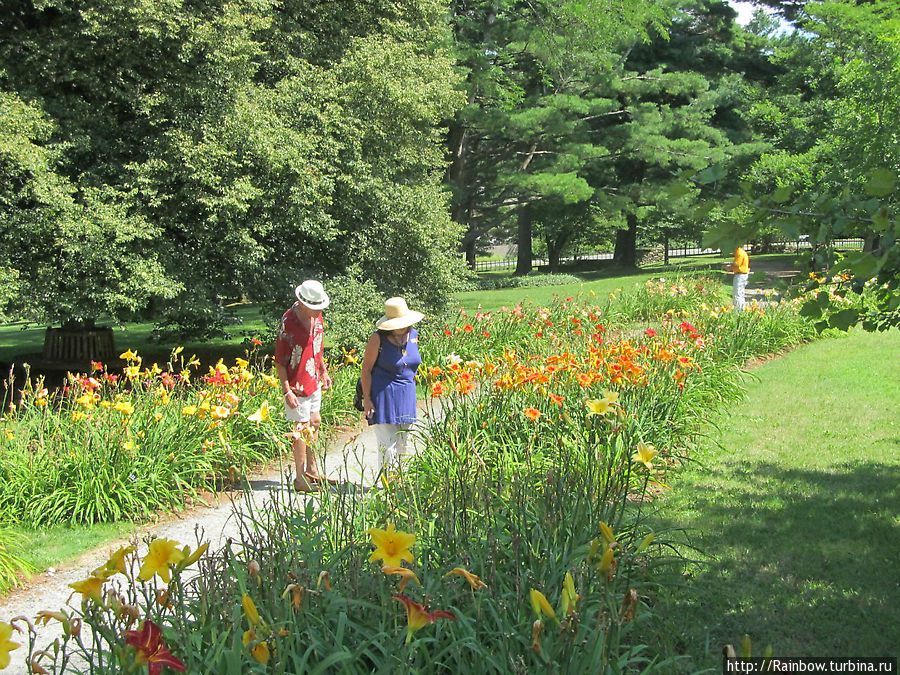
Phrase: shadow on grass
x=804 y=560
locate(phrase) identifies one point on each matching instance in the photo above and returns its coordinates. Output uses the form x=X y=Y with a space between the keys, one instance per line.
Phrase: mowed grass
x=795 y=512
x=604 y=281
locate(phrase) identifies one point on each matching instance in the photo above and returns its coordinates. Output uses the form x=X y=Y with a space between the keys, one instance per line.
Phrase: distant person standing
x=389 y=380
x=740 y=268
x=300 y=364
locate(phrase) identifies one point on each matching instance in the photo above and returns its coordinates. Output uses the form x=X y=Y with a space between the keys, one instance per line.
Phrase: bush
x=493 y=283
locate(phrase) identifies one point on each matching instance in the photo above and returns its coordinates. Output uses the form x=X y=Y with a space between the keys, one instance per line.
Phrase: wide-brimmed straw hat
x=397 y=315
x=311 y=294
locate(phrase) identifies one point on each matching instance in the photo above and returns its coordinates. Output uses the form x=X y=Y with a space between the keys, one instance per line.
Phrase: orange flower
x=437 y=389
x=532 y=413
x=418 y=616
x=584 y=379
x=464 y=386
x=474 y=581
x=405 y=575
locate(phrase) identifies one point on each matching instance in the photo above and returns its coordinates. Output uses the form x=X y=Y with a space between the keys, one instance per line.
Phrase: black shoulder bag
x=358 y=397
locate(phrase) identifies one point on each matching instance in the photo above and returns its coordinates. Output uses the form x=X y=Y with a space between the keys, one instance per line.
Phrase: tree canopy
x=175 y=154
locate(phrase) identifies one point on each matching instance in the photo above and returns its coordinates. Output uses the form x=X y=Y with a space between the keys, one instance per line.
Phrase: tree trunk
x=524 y=254
x=553 y=250
x=469 y=248
x=625 y=253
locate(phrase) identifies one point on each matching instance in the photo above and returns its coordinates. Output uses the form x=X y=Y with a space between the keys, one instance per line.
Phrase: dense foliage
x=165 y=156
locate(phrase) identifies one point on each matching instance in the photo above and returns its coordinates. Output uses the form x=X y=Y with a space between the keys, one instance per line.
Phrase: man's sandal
x=313 y=478
x=306 y=486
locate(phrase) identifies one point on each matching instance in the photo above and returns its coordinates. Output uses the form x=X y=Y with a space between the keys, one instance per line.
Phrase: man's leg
x=315 y=420
x=299 y=447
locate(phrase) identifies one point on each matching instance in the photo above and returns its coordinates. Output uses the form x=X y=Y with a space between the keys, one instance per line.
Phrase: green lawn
x=794 y=507
x=601 y=283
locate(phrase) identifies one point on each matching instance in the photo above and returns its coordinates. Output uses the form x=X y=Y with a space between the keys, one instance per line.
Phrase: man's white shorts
x=305 y=408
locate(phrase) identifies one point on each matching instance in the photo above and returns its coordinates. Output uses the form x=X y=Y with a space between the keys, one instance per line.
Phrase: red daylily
x=149 y=648
x=418 y=616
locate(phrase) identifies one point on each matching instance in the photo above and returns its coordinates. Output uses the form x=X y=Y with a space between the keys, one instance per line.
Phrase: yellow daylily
x=406 y=575
x=611 y=396
x=259 y=651
x=597 y=406
x=91 y=587
x=540 y=605
x=6 y=645
x=129 y=356
x=645 y=454
x=608 y=536
x=608 y=563
x=250 y=610
x=189 y=410
x=569 y=596
x=391 y=546
x=645 y=543
x=162 y=555
x=261 y=415
x=115 y=564
x=474 y=581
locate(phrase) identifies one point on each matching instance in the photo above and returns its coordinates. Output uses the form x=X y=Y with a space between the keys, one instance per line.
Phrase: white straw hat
x=311 y=294
x=397 y=315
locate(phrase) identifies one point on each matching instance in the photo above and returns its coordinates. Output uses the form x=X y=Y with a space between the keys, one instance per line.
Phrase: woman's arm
x=368 y=362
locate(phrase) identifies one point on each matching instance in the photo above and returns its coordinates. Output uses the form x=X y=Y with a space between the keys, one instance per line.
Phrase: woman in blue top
x=388 y=379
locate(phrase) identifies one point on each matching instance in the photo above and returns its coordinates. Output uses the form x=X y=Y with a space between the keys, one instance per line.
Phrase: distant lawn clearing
x=797 y=514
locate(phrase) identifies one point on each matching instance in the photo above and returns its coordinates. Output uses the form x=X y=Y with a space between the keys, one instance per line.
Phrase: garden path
x=351 y=458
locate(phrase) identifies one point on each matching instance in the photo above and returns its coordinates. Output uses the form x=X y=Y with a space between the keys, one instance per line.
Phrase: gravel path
x=352 y=457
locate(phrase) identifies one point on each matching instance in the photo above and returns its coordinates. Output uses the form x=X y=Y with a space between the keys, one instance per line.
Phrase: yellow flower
x=163 y=553
x=86 y=400
x=250 y=610
x=391 y=547
x=597 y=406
x=474 y=581
x=271 y=381
x=645 y=543
x=261 y=415
x=569 y=596
x=123 y=407
x=115 y=564
x=77 y=416
x=645 y=454
x=608 y=536
x=242 y=363
x=260 y=651
x=540 y=605
x=608 y=563
x=89 y=588
x=189 y=410
x=129 y=356
x=6 y=645
x=10 y=434
x=611 y=396
x=405 y=575
x=132 y=372
x=220 y=412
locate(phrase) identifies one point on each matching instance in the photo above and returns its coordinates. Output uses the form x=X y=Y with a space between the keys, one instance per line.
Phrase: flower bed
x=513 y=542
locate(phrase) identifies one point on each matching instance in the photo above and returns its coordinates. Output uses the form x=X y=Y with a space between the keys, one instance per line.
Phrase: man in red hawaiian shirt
x=301 y=370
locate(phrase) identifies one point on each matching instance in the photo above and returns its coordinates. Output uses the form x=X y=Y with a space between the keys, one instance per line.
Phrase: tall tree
x=242 y=145
x=525 y=137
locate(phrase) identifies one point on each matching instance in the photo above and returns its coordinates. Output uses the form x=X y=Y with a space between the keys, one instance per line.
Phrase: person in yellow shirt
x=740 y=268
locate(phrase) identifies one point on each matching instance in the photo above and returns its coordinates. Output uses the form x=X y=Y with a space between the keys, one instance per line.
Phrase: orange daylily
x=418 y=616
x=474 y=581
